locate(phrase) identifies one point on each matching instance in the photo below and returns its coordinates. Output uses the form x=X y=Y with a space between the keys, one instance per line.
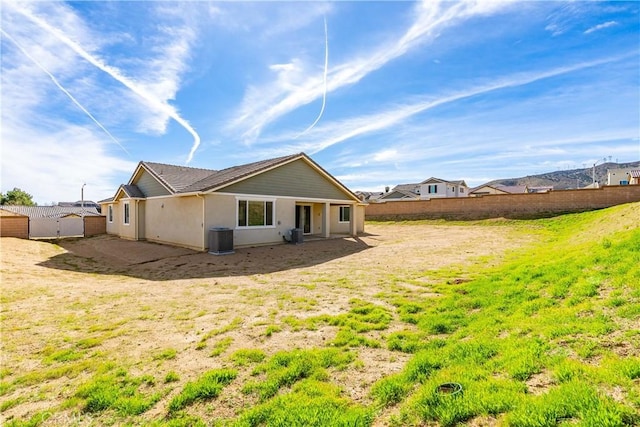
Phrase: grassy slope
x=549 y=336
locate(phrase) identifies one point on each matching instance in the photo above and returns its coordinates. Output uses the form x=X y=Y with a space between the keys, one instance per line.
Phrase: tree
x=16 y=197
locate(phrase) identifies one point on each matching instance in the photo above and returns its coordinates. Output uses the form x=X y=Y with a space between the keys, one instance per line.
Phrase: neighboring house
x=402 y=192
x=498 y=189
x=369 y=196
x=435 y=187
x=541 y=189
x=633 y=177
x=81 y=203
x=618 y=176
x=53 y=221
x=260 y=202
x=427 y=189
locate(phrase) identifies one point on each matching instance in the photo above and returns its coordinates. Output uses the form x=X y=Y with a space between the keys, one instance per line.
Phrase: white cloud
x=327 y=135
x=601 y=26
x=385 y=155
x=59 y=162
x=279 y=98
x=154 y=79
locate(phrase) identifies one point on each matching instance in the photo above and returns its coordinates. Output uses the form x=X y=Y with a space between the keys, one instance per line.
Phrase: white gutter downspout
x=204 y=235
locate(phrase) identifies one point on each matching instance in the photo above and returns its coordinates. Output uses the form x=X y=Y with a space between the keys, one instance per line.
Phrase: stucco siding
x=149 y=185
x=221 y=211
x=112 y=226
x=295 y=179
x=338 y=227
x=127 y=231
x=360 y=212
x=175 y=220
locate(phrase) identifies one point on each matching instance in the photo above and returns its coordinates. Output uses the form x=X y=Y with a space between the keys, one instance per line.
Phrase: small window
x=345 y=213
x=625 y=182
x=462 y=189
x=126 y=213
x=110 y=213
x=255 y=213
x=432 y=189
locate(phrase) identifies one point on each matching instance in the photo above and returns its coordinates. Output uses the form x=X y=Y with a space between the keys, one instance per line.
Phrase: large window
x=110 y=213
x=255 y=213
x=345 y=213
x=126 y=213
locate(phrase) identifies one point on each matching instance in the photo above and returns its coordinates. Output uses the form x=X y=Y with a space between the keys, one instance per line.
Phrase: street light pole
x=82 y=197
x=82 y=207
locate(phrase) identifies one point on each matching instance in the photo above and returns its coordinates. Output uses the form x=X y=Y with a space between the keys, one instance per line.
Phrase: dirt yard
x=130 y=301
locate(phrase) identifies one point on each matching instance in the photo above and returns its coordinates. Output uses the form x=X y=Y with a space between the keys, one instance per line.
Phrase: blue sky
x=378 y=93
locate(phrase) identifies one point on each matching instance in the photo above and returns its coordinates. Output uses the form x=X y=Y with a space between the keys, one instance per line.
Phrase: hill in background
x=567 y=179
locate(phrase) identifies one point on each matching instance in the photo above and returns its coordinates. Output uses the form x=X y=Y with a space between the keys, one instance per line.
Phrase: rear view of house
x=261 y=202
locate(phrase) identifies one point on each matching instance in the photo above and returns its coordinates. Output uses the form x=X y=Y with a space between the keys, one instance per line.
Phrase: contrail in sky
x=55 y=81
x=326 y=66
x=115 y=73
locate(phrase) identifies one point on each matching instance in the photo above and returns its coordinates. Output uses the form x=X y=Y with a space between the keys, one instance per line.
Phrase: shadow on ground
x=151 y=261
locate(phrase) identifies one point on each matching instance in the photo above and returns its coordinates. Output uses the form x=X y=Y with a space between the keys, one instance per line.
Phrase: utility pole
x=593 y=173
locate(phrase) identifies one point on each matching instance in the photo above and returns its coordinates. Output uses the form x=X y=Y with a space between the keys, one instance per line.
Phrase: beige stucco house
x=425 y=190
x=436 y=187
x=261 y=202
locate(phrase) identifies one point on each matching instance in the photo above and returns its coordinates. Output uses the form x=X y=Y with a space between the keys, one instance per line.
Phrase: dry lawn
x=128 y=302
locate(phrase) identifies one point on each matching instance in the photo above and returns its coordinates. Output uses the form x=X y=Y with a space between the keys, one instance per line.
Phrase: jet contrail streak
x=326 y=66
x=115 y=73
x=55 y=81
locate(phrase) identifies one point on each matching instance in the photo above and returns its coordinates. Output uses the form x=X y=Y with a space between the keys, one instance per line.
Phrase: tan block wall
x=14 y=226
x=94 y=225
x=508 y=205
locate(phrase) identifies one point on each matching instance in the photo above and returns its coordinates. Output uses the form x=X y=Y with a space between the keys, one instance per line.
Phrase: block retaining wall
x=515 y=206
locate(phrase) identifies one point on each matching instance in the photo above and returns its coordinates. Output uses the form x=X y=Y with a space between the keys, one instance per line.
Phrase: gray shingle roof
x=133 y=191
x=34 y=212
x=176 y=178
x=183 y=179
x=229 y=175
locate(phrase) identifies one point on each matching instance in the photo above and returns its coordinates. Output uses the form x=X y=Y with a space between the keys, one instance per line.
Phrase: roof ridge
x=176 y=166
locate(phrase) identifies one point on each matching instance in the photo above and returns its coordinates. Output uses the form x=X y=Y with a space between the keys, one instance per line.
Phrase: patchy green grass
x=247 y=356
x=309 y=403
x=166 y=354
x=221 y=346
x=207 y=387
x=119 y=392
x=550 y=311
x=287 y=368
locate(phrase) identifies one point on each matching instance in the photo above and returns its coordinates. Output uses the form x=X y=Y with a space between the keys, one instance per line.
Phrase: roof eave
x=158 y=177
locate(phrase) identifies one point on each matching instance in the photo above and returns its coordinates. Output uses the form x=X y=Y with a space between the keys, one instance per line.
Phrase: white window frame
x=110 y=213
x=126 y=213
x=341 y=214
x=255 y=227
